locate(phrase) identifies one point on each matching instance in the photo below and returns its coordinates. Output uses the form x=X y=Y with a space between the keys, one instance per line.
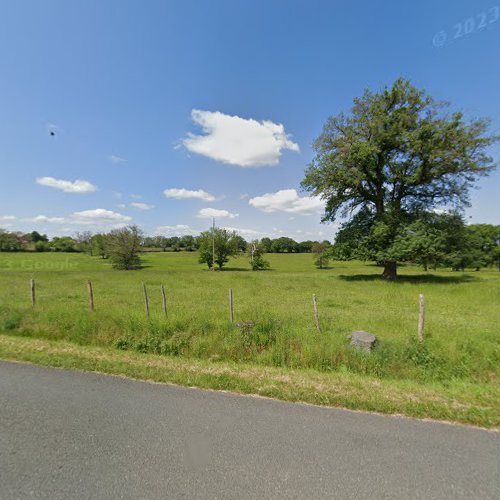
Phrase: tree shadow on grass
x=416 y=278
x=247 y=269
x=227 y=269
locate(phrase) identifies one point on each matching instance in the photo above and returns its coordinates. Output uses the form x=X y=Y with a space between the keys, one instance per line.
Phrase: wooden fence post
x=146 y=301
x=164 y=300
x=316 y=313
x=231 y=318
x=91 y=295
x=32 y=288
x=421 y=317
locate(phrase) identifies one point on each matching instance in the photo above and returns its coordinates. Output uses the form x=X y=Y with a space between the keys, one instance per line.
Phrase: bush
x=124 y=246
x=42 y=246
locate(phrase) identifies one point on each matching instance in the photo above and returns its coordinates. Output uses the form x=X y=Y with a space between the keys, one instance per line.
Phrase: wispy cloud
x=187 y=194
x=116 y=159
x=78 y=186
x=48 y=220
x=208 y=213
x=177 y=230
x=141 y=206
x=238 y=141
x=251 y=234
x=287 y=200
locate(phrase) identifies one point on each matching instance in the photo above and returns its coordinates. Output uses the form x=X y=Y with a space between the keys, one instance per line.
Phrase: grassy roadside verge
x=477 y=404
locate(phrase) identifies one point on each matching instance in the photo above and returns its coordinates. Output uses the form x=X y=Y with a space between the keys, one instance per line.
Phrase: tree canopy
x=397 y=154
x=218 y=241
x=124 y=247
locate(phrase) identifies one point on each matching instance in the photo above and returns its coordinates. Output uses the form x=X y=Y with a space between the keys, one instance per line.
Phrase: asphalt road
x=69 y=435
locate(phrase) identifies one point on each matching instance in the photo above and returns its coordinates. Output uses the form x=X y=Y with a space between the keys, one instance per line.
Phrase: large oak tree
x=397 y=153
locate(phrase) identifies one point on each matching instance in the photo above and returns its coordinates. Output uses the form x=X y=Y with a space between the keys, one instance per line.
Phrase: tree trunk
x=390 y=270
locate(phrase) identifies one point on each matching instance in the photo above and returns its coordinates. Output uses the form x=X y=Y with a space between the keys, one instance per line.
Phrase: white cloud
x=7 y=217
x=43 y=219
x=177 y=230
x=208 y=213
x=287 y=200
x=121 y=205
x=186 y=194
x=98 y=216
x=141 y=206
x=95 y=217
x=116 y=159
x=78 y=186
x=136 y=196
x=238 y=141
x=250 y=234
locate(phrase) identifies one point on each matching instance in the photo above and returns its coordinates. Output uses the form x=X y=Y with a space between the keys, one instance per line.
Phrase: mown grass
x=462 y=334
x=458 y=401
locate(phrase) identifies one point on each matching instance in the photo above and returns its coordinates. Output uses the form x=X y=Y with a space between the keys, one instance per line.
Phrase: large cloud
x=187 y=194
x=99 y=216
x=208 y=213
x=238 y=141
x=78 y=186
x=287 y=200
x=95 y=217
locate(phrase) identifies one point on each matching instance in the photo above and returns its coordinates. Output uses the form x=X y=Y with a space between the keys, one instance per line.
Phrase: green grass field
x=462 y=318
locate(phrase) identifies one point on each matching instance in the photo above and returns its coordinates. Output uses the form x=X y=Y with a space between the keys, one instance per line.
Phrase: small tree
x=429 y=239
x=241 y=243
x=224 y=242
x=99 y=245
x=320 y=252
x=42 y=246
x=267 y=245
x=10 y=242
x=63 y=244
x=124 y=247
x=486 y=238
x=255 y=253
x=284 y=245
x=84 y=242
x=188 y=242
x=35 y=236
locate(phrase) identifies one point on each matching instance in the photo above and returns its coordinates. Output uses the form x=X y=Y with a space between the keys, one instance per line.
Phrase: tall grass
x=462 y=335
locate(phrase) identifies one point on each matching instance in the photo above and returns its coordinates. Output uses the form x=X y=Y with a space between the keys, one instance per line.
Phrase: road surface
x=67 y=434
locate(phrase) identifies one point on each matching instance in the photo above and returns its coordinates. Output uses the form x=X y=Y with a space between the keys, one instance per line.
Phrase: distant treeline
x=268 y=245
x=434 y=240
x=94 y=244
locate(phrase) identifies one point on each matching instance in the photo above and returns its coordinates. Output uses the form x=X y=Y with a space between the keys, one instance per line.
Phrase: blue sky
x=169 y=112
